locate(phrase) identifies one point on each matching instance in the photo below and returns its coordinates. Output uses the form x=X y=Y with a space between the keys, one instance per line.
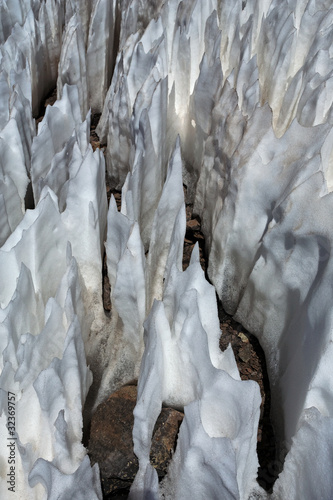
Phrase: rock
x=243 y=338
x=111 y=444
x=193 y=224
x=164 y=439
x=245 y=353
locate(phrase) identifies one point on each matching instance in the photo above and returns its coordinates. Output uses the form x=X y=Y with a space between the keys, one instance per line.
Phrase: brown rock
x=245 y=353
x=111 y=444
x=193 y=224
x=164 y=439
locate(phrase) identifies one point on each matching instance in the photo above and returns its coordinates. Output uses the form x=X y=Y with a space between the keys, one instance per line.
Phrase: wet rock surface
x=111 y=444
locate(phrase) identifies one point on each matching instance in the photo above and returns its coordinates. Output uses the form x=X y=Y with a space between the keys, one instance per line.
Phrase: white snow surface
x=234 y=101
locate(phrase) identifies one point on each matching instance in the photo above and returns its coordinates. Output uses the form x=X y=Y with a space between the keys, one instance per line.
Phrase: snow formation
x=233 y=99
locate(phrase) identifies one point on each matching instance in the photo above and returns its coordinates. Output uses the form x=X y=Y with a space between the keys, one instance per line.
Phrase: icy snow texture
x=45 y=323
x=43 y=363
x=235 y=100
x=181 y=335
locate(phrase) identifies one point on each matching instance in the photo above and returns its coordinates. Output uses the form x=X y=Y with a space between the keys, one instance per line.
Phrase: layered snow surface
x=232 y=99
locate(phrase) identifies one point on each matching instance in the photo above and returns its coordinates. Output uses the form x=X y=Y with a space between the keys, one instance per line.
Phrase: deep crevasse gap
x=187 y=102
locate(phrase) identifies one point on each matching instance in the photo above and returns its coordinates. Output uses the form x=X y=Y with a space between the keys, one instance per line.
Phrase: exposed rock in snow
x=111 y=444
